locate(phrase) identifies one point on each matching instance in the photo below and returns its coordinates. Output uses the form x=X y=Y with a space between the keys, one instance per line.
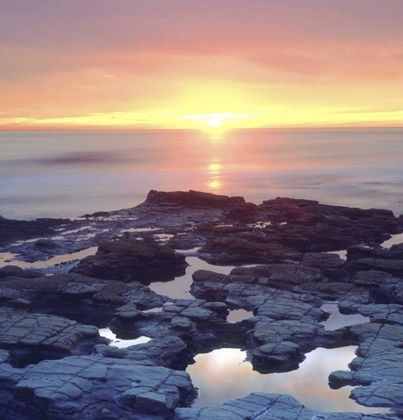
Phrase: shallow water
x=180 y=287
x=120 y=343
x=337 y=320
x=67 y=174
x=223 y=375
x=394 y=240
x=67 y=260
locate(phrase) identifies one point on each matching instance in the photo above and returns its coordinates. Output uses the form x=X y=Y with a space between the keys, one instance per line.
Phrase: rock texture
x=54 y=365
x=265 y=407
x=92 y=387
x=12 y=230
x=127 y=261
x=30 y=338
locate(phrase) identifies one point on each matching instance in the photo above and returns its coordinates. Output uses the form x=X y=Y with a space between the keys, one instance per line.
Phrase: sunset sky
x=200 y=63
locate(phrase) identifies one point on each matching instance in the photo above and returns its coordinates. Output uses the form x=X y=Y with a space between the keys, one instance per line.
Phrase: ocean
x=71 y=173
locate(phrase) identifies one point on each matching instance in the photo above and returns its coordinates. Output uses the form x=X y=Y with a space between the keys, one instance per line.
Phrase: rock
x=358 y=252
x=33 y=337
x=15 y=230
x=93 y=387
x=282 y=276
x=193 y=199
x=265 y=406
x=45 y=243
x=394 y=267
x=84 y=299
x=14 y=271
x=330 y=265
x=377 y=369
x=169 y=351
x=181 y=323
x=288 y=238
x=277 y=357
x=128 y=261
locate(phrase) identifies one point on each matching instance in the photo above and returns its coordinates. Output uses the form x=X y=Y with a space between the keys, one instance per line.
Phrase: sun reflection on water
x=214 y=174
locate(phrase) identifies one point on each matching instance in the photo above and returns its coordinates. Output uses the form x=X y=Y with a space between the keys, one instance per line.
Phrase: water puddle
x=338 y=320
x=7 y=258
x=223 y=375
x=394 y=240
x=342 y=254
x=180 y=287
x=238 y=315
x=189 y=251
x=121 y=344
x=51 y=262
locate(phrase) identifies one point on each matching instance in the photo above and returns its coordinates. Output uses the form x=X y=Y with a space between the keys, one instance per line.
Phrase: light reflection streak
x=214 y=171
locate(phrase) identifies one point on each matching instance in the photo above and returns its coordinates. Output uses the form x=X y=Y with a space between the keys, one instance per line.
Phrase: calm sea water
x=63 y=174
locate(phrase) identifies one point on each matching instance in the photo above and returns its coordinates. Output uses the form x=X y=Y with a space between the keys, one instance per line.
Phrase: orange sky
x=191 y=64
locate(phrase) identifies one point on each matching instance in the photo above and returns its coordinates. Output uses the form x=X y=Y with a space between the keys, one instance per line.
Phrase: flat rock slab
x=265 y=407
x=83 y=298
x=93 y=387
x=378 y=367
x=33 y=337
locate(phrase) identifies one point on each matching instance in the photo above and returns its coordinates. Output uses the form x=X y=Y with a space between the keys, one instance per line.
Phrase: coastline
x=287 y=245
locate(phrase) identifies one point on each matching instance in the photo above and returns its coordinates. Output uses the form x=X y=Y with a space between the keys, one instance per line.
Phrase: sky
x=208 y=64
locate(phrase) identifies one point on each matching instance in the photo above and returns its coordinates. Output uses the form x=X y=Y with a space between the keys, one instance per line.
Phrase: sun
x=214 y=121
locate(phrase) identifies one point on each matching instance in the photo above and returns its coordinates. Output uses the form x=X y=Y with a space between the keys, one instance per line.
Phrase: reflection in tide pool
x=179 y=288
x=394 y=240
x=121 y=344
x=342 y=254
x=58 y=259
x=337 y=320
x=238 y=315
x=222 y=375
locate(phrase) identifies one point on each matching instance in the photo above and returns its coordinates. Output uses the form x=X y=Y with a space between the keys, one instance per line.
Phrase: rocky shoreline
x=55 y=365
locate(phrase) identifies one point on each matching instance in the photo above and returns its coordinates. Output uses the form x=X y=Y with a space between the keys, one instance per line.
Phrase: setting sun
x=214 y=121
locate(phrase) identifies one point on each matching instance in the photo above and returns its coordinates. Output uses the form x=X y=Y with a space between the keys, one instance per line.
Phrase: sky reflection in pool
x=394 y=240
x=58 y=259
x=222 y=375
x=179 y=288
x=122 y=344
x=338 y=320
x=238 y=315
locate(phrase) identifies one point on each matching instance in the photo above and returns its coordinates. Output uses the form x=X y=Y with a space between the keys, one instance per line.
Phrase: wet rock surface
x=54 y=364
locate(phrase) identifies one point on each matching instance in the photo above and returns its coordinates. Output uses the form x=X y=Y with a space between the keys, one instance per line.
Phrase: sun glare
x=214 y=121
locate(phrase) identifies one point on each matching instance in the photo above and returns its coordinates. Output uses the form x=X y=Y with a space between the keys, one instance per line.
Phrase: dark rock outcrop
x=127 y=261
x=15 y=230
x=77 y=297
x=193 y=199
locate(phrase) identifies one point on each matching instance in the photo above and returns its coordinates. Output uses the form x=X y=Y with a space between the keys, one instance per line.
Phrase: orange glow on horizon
x=154 y=65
